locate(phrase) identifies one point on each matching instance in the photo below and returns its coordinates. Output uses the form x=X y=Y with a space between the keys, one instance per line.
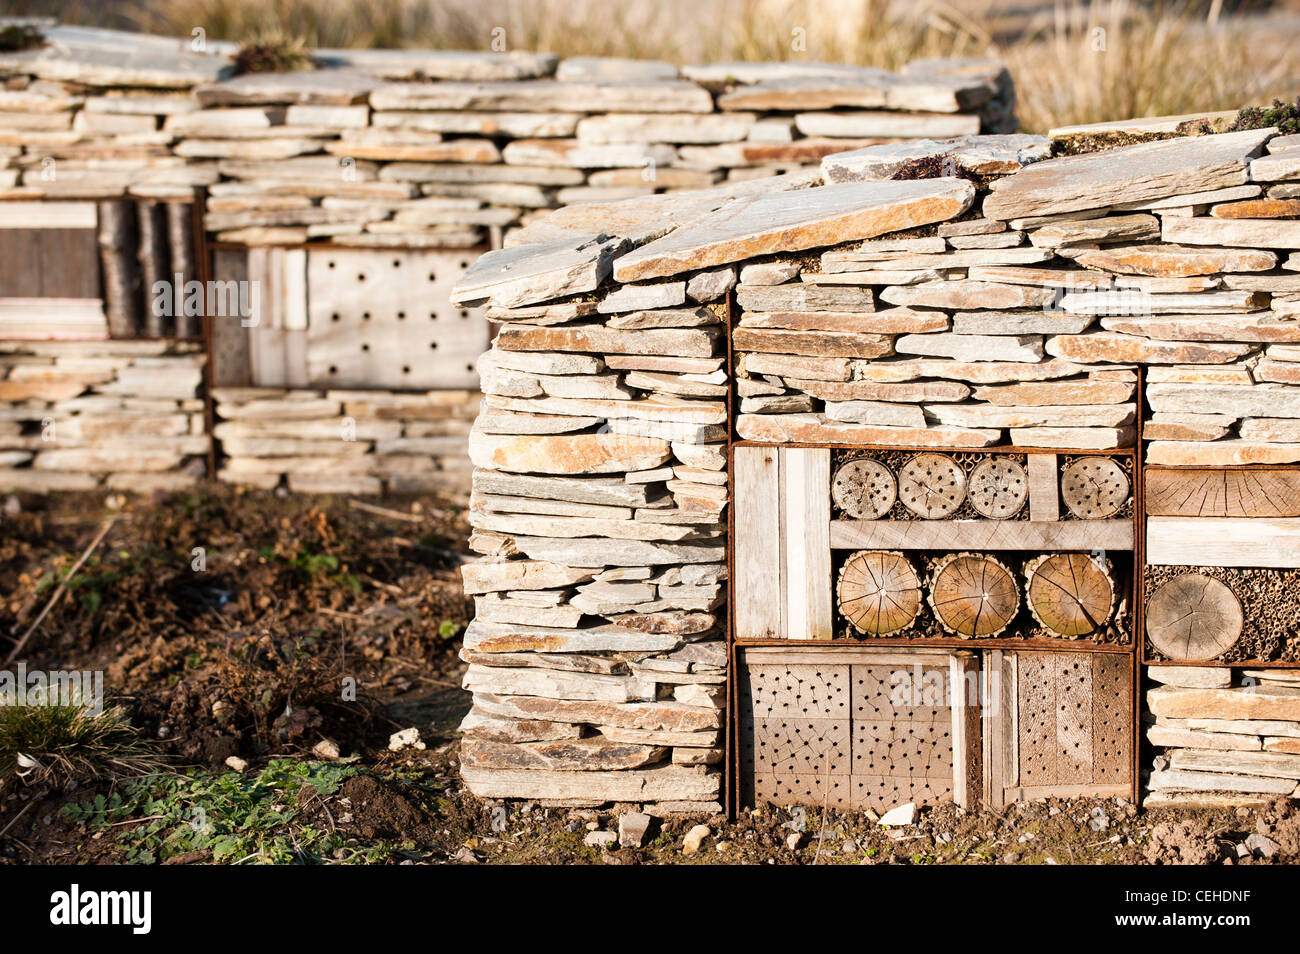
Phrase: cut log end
x=1193 y=617
x=1094 y=488
x=879 y=592
x=864 y=488
x=973 y=595
x=1070 y=594
x=932 y=486
x=999 y=488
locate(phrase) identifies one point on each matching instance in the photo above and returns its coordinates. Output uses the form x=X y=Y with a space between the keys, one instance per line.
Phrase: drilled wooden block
x=383 y=319
x=814 y=747
x=880 y=793
x=1036 y=711
x=1112 y=719
x=912 y=749
x=1074 y=717
x=763 y=786
x=1074 y=694
x=897 y=693
x=796 y=692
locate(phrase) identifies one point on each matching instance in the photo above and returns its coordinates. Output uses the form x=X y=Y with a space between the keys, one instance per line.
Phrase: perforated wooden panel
x=383 y=319
x=1073 y=722
x=845 y=734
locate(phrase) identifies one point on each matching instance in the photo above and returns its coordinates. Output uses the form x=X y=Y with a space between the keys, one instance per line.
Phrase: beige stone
x=567 y=454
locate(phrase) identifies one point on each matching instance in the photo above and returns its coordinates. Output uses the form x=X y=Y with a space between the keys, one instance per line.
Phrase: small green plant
x=448 y=629
x=90 y=585
x=55 y=745
x=20 y=36
x=1285 y=116
x=273 y=53
x=240 y=819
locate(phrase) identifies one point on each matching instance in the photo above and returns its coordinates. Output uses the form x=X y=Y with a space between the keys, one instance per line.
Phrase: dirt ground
x=232 y=627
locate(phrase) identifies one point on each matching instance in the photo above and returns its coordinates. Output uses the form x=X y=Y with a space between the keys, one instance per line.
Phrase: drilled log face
x=864 y=488
x=1193 y=617
x=932 y=486
x=1223 y=493
x=1094 y=487
x=879 y=592
x=973 y=595
x=999 y=487
x=1070 y=594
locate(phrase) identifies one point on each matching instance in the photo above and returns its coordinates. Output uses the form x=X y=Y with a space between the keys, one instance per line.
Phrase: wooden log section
x=1094 y=487
x=973 y=594
x=123 y=302
x=155 y=265
x=999 y=487
x=1035 y=535
x=931 y=485
x=1070 y=594
x=1223 y=493
x=879 y=592
x=864 y=488
x=180 y=247
x=1193 y=617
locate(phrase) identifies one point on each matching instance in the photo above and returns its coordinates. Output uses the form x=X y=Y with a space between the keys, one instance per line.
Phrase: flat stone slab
x=530 y=274
x=454 y=65
x=662 y=96
x=815 y=429
x=567 y=454
x=865 y=88
x=984 y=155
x=1150 y=170
x=316 y=87
x=606 y=68
x=1175 y=261
x=510 y=638
x=793 y=221
x=95 y=57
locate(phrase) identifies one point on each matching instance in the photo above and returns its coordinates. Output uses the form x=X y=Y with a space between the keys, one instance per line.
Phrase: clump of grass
x=274 y=52
x=1285 y=116
x=20 y=36
x=53 y=746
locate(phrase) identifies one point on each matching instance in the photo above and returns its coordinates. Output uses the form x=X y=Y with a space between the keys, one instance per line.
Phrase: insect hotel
x=957 y=469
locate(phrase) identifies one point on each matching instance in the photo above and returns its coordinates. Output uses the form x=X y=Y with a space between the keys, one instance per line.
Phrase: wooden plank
x=1268 y=492
x=69 y=263
x=1044 y=488
x=757 y=548
x=1010 y=693
x=1223 y=541
x=21 y=275
x=963 y=671
x=994 y=731
x=47 y=215
x=231 y=361
x=294 y=289
x=805 y=533
x=981 y=535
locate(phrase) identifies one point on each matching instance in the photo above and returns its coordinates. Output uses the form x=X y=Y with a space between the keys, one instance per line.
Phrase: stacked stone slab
x=1223 y=736
x=439 y=149
x=357 y=442
x=127 y=415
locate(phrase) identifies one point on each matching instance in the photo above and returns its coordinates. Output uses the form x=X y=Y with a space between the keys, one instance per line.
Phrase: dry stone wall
x=414 y=148
x=1005 y=292
x=126 y=415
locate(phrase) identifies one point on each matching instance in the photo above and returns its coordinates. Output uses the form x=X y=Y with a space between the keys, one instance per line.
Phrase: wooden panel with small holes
x=383 y=319
x=852 y=730
x=1073 y=724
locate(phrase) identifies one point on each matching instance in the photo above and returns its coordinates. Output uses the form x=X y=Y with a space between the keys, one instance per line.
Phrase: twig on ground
x=58 y=593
